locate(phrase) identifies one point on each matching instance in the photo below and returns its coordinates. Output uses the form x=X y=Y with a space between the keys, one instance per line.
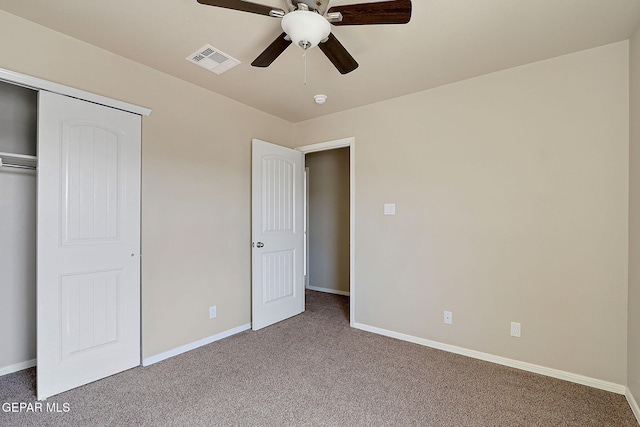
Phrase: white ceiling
x=446 y=41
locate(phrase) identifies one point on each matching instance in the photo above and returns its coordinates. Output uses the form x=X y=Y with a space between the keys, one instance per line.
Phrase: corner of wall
x=633 y=403
x=633 y=296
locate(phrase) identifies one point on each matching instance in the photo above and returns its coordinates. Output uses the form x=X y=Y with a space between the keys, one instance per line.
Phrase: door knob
x=260 y=245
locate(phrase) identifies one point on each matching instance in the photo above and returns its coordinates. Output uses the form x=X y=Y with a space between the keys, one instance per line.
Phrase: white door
x=277 y=234
x=88 y=278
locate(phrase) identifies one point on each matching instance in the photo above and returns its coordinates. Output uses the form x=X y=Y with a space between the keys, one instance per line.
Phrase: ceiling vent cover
x=210 y=58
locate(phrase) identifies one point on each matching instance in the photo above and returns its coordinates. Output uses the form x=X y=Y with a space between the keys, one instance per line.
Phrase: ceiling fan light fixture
x=306 y=28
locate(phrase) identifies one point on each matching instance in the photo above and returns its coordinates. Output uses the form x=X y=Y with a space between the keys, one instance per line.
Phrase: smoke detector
x=320 y=99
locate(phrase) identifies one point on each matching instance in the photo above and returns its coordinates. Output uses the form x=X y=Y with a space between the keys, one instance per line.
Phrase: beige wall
x=633 y=376
x=328 y=228
x=196 y=153
x=511 y=192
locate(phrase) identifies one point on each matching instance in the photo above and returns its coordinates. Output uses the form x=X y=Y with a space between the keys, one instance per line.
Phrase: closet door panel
x=91 y=182
x=88 y=243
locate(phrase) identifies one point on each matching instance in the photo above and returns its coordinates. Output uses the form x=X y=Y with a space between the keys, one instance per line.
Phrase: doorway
x=327 y=213
x=333 y=224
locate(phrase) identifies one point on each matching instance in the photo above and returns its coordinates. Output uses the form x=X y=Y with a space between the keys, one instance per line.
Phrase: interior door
x=277 y=233
x=88 y=225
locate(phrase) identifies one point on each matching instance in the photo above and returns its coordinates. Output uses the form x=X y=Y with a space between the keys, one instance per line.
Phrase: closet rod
x=21 y=161
x=8 y=165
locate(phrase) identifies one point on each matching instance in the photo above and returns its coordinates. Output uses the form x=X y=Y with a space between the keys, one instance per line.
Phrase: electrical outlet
x=448 y=317
x=212 y=312
x=515 y=329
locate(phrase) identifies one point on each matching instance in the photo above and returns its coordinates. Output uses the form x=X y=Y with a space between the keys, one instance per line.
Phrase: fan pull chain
x=304 y=55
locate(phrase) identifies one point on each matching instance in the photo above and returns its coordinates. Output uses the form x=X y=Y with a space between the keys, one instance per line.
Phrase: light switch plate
x=389 y=208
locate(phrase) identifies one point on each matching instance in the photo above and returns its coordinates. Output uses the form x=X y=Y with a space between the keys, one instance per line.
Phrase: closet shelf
x=18 y=160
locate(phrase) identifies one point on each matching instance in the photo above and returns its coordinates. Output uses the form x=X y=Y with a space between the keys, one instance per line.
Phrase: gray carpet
x=314 y=370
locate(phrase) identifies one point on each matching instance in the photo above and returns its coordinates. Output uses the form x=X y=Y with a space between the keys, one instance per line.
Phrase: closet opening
x=18 y=183
x=69 y=233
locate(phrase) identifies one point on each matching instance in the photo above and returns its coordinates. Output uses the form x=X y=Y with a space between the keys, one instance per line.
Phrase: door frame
x=349 y=142
x=305 y=268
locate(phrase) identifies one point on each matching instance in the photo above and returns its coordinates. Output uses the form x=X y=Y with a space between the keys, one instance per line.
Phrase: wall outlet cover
x=448 y=317
x=212 y=312
x=515 y=329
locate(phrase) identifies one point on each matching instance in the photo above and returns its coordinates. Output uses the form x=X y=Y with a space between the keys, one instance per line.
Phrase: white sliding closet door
x=88 y=278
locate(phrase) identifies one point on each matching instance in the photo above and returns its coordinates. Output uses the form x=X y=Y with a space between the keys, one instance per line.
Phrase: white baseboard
x=17 y=367
x=530 y=367
x=187 y=347
x=634 y=405
x=328 y=290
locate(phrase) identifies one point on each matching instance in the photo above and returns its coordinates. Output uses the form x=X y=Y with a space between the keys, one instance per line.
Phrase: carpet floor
x=314 y=370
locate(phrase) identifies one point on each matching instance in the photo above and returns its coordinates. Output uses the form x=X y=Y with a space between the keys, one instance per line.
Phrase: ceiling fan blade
x=272 y=52
x=386 y=12
x=338 y=55
x=245 y=6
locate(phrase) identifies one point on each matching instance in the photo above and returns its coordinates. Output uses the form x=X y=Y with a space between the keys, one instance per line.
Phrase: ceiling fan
x=307 y=24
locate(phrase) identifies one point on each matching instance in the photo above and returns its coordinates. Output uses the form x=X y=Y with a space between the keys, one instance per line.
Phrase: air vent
x=212 y=59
